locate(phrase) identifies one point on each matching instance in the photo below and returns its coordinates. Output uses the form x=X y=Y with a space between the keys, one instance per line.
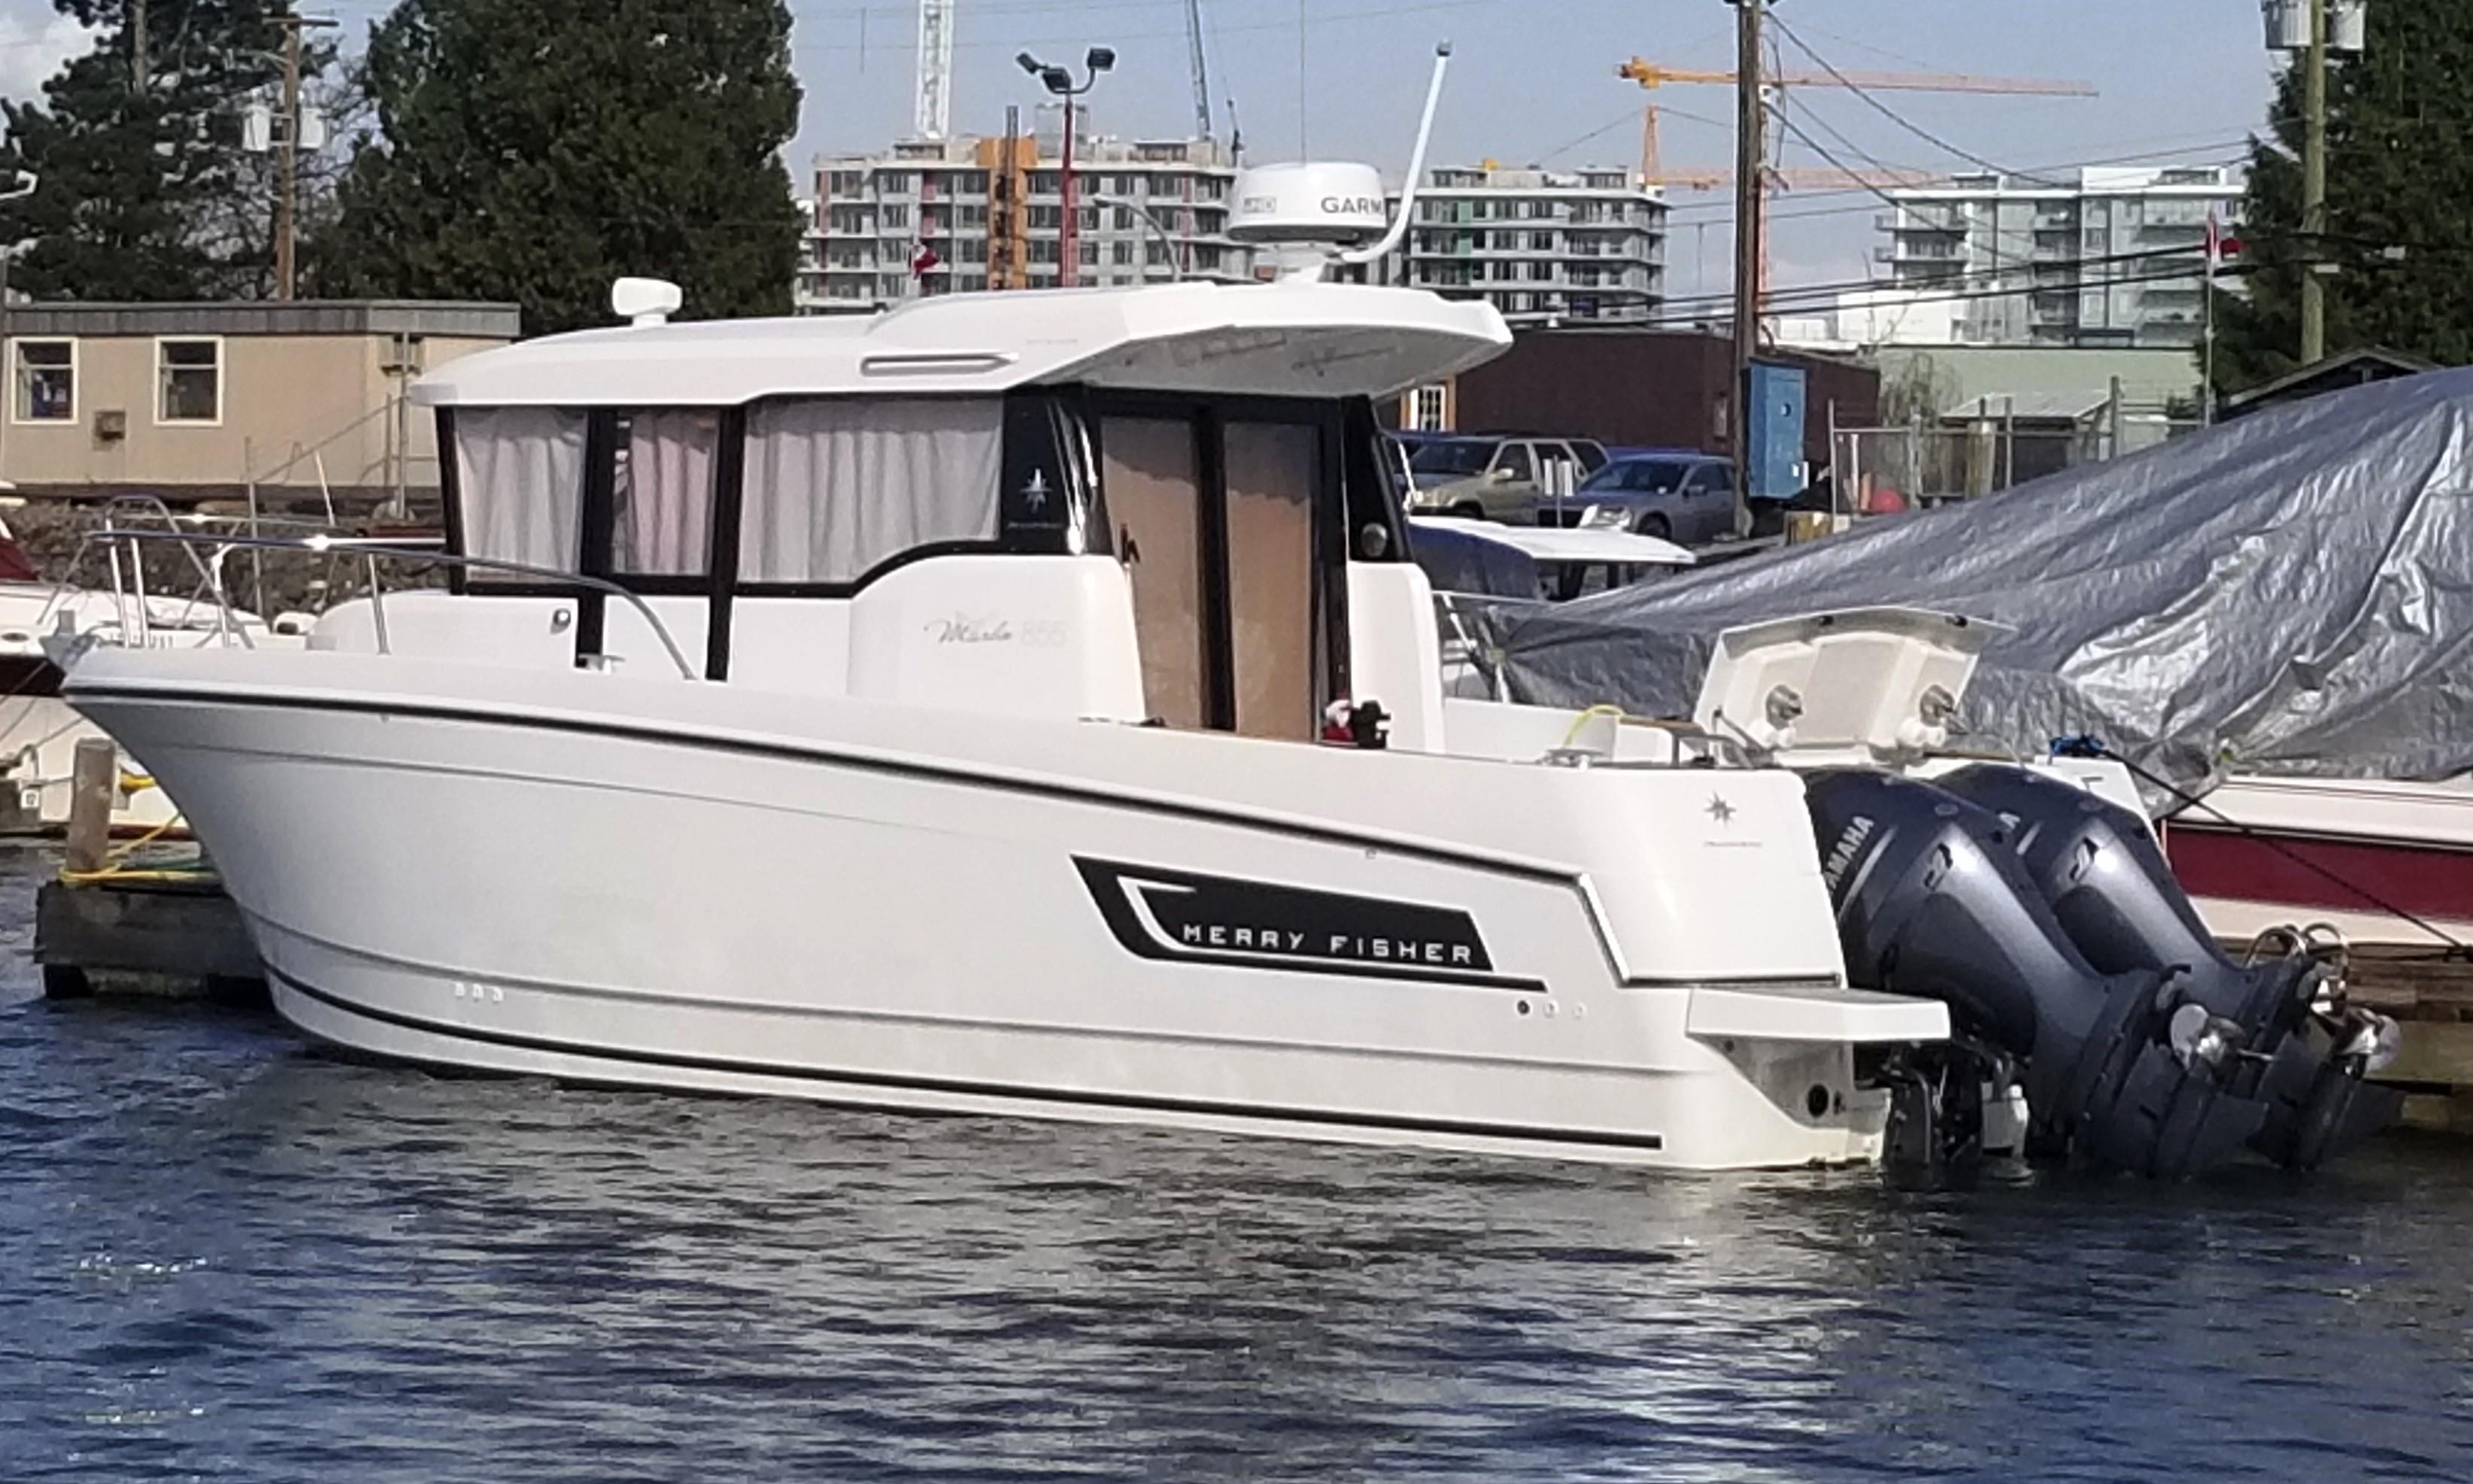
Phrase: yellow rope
x=122 y=851
x=1590 y=715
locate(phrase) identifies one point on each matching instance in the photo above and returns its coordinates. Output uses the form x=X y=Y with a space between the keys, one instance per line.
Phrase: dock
x=2430 y=996
x=136 y=917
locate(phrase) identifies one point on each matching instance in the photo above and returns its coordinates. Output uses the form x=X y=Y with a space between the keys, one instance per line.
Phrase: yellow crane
x=1650 y=74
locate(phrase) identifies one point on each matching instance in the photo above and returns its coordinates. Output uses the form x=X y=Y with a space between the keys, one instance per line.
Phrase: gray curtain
x=520 y=472
x=834 y=487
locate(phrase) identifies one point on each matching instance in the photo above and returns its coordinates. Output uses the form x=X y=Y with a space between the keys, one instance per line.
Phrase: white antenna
x=934 y=118
x=1416 y=168
x=1322 y=213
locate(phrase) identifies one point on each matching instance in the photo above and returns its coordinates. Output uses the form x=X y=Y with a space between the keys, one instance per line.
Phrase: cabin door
x=1223 y=523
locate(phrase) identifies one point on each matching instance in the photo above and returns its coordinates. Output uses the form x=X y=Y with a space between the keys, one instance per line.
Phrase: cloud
x=34 y=42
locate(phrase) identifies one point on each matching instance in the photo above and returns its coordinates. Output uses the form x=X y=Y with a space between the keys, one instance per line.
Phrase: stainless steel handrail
x=410 y=549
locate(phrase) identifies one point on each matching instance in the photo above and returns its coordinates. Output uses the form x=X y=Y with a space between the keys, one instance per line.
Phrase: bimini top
x=1287 y=339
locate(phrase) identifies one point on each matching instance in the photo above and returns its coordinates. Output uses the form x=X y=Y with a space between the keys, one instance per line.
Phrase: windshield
x=1459 y=457
x=1649 y=476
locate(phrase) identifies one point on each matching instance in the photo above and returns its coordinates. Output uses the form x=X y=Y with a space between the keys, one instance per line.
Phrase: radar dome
x=1310 y=202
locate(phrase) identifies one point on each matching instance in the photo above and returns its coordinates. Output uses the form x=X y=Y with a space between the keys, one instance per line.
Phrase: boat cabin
x=1168 y=503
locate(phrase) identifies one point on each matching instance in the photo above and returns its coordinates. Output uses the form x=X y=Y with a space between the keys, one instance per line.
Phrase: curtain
x=834 y=487
x=664 y=496
x=520 y=472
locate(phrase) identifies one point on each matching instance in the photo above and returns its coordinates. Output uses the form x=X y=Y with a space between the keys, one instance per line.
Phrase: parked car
x=1683 y=497
x=1498 y=478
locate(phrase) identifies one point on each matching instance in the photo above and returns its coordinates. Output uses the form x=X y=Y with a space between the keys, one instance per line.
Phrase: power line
x=1696 y=317
x=1884 y=110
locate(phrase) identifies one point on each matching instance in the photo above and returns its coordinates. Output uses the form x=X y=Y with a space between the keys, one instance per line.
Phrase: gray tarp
x=2291 y=592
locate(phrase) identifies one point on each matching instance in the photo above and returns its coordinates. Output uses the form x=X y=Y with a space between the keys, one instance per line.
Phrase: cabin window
x=1153 y=475
x=662 y=492
x=834 y=487
x=1272 y=469
x=520 y=472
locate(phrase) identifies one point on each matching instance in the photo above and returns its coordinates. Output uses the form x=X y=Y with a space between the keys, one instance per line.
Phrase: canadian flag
x=924 y=261
x=2221 y=244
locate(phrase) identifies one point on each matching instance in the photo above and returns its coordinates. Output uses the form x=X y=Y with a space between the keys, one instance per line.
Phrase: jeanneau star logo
x=1721 y=810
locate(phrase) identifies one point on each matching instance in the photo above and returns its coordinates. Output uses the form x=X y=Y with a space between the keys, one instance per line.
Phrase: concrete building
x=950 y=216
x=204 y=400
x=2114 y=258
x=1543 y=246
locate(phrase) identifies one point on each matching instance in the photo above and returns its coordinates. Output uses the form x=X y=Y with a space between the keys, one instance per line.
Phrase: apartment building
x=2111 y=258
x=951 y=216
x=1543 y=246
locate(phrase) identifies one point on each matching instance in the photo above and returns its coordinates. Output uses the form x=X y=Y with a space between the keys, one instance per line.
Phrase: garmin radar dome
x=1309 y=201
x=1331 y=213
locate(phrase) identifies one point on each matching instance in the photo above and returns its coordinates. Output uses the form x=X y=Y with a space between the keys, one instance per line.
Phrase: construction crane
x=933 y=118
x=1649 y=74
x=1201 y=69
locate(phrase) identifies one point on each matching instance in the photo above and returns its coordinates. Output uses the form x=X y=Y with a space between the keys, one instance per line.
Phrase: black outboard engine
x=2127 y=1068
x=2098 y=866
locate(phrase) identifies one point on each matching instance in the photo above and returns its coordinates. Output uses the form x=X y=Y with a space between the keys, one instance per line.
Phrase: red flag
x=924 y=261
x=2220 y=244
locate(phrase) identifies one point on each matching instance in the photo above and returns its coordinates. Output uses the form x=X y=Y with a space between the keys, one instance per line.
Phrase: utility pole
x=1750 y=198
x=2313 y=188
x=287 y=190
x=139 y=60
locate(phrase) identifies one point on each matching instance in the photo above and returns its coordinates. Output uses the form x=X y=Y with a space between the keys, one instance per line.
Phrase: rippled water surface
x=223 y=1257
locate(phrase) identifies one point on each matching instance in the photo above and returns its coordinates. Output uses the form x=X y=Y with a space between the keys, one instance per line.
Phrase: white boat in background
x=38 y=731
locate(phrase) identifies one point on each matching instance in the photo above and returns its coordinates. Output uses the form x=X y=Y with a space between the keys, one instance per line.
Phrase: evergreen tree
x=2398 y=177
x=145 y=192
x=532 y=151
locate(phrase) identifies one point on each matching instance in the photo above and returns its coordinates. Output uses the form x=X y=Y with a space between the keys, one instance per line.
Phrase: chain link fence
x=1887 y=470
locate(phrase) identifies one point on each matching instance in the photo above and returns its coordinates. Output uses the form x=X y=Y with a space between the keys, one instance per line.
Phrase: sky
x=1532 y=82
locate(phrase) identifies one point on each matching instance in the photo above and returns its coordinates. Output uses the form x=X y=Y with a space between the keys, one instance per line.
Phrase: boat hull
x=2386 y=862
x=611 y=895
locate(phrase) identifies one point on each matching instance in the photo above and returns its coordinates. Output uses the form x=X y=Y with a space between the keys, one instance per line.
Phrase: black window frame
x=1051 y=504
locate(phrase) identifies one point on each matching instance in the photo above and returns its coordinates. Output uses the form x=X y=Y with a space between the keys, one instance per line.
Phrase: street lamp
x=1060 y=82
x=1159 y=228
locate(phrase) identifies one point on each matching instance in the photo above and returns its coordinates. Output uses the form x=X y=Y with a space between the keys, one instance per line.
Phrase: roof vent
x=642 y=302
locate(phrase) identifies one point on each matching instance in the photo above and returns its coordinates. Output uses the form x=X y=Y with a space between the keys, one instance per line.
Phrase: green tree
x=2398 y=177
x=145 y=192
x=532 y=151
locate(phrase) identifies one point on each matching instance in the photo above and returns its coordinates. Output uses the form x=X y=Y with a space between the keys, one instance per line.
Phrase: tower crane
x=1201 y=68
x=934 y=117
x=1650 y=75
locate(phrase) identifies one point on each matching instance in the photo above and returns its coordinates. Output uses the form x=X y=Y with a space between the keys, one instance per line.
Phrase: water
x=223 y=1257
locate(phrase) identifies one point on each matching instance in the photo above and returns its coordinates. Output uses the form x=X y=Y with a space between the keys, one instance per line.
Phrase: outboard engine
x=2098 y=869
x=2130 y=1068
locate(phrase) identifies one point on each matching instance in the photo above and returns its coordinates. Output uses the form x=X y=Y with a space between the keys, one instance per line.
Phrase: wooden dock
x=173 y=940
x=2430 y=996
x=128 y=919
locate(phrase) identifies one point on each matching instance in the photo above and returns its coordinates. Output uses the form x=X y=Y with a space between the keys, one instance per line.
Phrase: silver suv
x=1513 y=480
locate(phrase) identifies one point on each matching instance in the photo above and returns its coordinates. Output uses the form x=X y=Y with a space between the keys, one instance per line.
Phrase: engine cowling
x=2129 y=1068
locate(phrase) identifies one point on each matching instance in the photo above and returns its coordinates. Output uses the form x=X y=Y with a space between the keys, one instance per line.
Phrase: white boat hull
x=606 y=892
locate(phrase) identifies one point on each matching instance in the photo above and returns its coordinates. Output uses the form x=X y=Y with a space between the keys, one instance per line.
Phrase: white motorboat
x=1023 y=704
x=39 y=731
